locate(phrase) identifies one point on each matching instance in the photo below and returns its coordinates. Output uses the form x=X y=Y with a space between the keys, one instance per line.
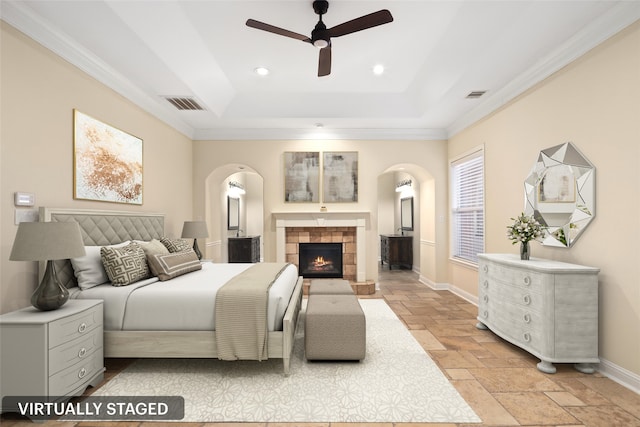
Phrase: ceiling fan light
x=320 y=43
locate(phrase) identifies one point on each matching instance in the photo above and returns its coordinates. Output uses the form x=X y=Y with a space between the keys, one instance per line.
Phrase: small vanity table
x=244 y=249
x=396 y=249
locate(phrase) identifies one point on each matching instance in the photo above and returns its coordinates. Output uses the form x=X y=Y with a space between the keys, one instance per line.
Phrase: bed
x=190 y=333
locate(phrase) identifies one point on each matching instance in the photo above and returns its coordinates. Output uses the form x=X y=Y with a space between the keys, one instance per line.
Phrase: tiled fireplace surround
x=344 y=235
x=331 y=227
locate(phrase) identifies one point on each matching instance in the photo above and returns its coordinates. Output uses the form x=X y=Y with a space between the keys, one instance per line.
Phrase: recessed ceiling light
x=378 y=69
x=319 y=125
x=261 y=71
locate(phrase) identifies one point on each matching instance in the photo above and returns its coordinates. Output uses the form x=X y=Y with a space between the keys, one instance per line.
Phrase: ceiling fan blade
x=276 y=30
x=362 y=23
x=324 y=61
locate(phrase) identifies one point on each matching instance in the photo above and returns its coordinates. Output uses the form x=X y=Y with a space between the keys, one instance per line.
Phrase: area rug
x=396 y=382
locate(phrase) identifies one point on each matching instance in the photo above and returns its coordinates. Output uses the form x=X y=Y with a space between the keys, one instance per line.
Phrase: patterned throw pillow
x=173 y=265
x=175 y=245
x=88 y=269
x=125 y=265
x=153 y=247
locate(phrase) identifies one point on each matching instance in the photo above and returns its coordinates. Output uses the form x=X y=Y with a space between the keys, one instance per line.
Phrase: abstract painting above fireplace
x=320 y=260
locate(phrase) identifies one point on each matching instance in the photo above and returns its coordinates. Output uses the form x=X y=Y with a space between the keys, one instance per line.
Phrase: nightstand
x=51 y=353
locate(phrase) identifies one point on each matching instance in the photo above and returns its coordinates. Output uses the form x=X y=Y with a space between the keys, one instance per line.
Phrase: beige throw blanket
x=241 y=313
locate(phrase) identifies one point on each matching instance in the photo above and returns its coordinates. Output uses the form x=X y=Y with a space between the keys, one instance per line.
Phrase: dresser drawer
x=72 y=327
x=65 y=381
x=500 y=296
x=516 y=277
x=81 y=348
x=530 y=339
x=497 y=307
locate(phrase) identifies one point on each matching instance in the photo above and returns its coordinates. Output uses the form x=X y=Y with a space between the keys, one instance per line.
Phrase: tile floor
x=499 y=381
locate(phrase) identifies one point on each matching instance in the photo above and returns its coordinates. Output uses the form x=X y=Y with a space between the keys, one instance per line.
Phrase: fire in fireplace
x=320 y=260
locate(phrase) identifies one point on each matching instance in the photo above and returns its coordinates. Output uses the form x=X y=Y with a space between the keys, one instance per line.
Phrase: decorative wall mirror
x=233 y=213
x=406 y=214
x=560 y=194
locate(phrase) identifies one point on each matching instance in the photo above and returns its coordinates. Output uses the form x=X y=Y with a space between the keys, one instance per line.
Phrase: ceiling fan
x=321 y=36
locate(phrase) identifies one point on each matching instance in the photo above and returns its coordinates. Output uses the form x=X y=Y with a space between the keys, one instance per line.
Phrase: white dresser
x=546 y=307
x=51 y=353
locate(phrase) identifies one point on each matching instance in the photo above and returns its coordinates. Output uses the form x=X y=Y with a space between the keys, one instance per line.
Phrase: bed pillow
x=176 y=245
x=174 y=264
x=125 y=265
x=153 y=247
x=88 y=269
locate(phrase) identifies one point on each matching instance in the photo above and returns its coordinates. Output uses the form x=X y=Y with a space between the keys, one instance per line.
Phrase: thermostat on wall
x=24 y=199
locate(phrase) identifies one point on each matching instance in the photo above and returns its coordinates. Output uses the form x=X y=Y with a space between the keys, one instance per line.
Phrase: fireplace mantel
x=357 y=219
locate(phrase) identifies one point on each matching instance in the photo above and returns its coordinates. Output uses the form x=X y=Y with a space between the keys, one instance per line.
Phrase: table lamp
x=48 y=241
x=194 y=230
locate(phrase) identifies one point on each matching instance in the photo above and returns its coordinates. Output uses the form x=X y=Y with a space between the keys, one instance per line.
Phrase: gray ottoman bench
x=334 y=328
x=330 y=287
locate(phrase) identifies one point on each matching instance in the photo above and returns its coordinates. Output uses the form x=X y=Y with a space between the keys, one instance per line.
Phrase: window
x=467 y=195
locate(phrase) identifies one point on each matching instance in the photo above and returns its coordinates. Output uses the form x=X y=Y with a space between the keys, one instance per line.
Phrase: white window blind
x=467 y=187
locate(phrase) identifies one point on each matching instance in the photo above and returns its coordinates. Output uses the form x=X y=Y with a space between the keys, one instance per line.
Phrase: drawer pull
x=526 y=299
x=527 y=318
x=82 y=373
x=527 y=281
x=82 y=352
x=485 y=284
x=526 y=336
x=485 y=314
x=82 y=327
x=485 y=298
x=486 y=268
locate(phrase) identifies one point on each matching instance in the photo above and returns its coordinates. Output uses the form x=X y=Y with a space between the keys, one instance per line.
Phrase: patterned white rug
x=397 y=382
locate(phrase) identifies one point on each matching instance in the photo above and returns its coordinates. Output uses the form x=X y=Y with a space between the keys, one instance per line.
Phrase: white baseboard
x=622 y=376
x=433 y=285
x=616 y=373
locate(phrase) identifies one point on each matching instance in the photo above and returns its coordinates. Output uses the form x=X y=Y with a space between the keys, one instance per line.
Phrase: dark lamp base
x=50 y=294
x=196 y=249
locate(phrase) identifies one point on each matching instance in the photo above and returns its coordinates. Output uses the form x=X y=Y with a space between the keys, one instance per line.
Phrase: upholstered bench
x=334 y=328
x=330 y=287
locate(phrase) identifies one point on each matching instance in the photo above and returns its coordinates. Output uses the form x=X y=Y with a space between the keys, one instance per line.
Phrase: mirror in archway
x=560 y=194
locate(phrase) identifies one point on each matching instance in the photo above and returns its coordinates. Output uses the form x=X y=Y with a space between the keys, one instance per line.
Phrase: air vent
x=184 y=103
x=476 y=94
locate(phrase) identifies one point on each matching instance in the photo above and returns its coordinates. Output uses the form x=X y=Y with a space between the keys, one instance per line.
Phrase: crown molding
x=606 y=26
x=20 y=16
x=285 y=134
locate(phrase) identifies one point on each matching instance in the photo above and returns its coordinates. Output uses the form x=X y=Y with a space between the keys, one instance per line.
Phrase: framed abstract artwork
x=301 y=176
x=340 y=176
x=107 y=162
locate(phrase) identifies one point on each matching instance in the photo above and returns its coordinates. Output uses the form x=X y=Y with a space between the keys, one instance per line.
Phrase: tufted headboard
x=100 y=228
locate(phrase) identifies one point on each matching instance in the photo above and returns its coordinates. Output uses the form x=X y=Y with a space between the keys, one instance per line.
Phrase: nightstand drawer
x=65 y=381
x=77 y=325
x=81 y=348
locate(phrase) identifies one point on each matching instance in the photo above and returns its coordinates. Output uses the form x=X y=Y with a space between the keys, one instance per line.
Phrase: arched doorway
x=422 y=190
x=221 y=185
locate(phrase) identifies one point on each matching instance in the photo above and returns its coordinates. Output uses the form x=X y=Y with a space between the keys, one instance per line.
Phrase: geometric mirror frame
x=560 y=193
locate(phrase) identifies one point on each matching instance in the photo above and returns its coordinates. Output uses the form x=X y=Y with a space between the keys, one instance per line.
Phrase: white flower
x=524 y=229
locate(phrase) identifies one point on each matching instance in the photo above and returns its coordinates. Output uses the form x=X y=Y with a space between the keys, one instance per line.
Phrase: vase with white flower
x=524 y=229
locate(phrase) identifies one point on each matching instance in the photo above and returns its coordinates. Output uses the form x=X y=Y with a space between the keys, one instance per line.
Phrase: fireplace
x=320 y=260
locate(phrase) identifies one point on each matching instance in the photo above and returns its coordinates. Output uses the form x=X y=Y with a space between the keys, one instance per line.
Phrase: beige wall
x=593 y=103
x=39 y=93
x=374 y=157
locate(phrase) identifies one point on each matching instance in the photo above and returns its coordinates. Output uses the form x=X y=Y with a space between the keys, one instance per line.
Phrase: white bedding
x=185 y=303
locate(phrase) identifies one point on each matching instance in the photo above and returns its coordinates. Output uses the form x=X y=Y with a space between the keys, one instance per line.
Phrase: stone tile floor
x=498 y=380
